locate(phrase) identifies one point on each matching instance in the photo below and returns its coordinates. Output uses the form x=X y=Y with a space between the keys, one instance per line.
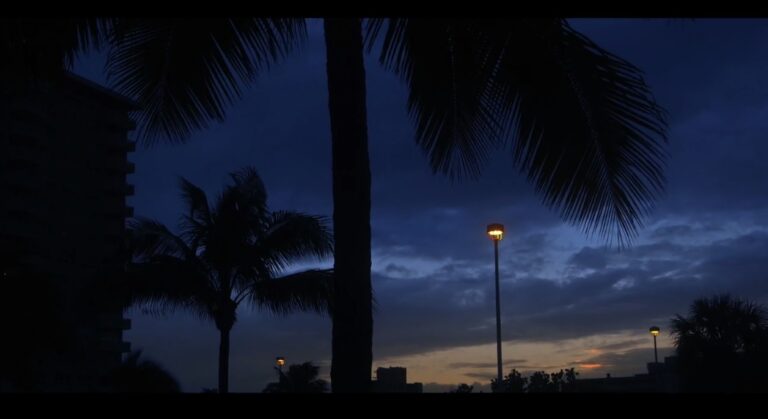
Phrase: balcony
x=130 y=190
x=130 y=168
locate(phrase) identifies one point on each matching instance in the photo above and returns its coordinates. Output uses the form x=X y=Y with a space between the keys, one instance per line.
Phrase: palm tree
x=722 y=345
x=300 y=378
x=140 y=376
x=581 y=122
x=231 y=251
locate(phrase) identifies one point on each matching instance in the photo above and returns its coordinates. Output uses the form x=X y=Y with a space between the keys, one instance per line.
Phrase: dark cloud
x=590 y=258
x=631 y=295
x=625 y=344
x=483 y=365
x=673 y=231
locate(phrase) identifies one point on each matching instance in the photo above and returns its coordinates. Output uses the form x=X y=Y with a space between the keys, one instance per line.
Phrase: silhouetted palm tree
x=230 y=251
x=723 y=345
x=581 y=122
x=300 y=378
x=145 y=376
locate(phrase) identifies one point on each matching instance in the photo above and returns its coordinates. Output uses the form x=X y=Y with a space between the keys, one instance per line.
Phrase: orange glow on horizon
x=591 y=366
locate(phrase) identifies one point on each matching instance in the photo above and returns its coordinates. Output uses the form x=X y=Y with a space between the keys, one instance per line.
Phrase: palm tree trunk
x=352 y=316
x=224 y=360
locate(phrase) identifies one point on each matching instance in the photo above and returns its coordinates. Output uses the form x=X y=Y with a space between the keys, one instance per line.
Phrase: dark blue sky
x=566 y=300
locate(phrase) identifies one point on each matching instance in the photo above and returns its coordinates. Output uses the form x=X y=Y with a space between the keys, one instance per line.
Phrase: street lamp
x=496 y=232
x=279 y=362
x=655 y=332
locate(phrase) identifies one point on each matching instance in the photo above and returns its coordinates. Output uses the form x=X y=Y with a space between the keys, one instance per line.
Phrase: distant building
x=63 y=182
x=394 y=380
x=661 y=378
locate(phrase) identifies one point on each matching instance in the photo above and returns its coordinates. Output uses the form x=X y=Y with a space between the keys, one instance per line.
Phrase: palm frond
x=448 y=89
x=292 y=236
x=148 y=238
x=197 y=222
x=250 y=189
x=164 y=283
x=585 y=128
x=185 y=72
x=304 y=291
x=588 y=132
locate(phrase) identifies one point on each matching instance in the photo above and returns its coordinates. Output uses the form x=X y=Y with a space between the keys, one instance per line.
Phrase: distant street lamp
x=279 y=362
x=496 y=232
x=655 y=332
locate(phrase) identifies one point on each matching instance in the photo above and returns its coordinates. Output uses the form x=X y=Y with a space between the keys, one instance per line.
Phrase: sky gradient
x=567 y=299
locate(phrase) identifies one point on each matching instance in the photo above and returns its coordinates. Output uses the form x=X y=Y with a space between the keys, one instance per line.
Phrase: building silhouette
x=63 y=178
x=661 y=378
x=394 y=380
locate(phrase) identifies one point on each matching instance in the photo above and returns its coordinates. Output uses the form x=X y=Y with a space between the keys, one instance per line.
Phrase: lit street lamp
x=655 y=332
x=279 y=362
x=496 y=231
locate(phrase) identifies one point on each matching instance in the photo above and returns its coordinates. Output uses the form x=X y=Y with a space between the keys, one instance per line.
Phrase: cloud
x=589 y=258
x=484 y=365
x=625 y=344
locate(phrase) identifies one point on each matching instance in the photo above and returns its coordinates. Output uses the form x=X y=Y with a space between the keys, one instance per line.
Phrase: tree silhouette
x=582 y=123
x=230 y=251
x=722 y=345
x=463 y=388
x=144 y=376
x=301 y=378
x=512 y=383
x=539 y=382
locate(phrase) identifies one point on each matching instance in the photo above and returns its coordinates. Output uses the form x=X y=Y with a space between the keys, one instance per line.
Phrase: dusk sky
x=567 y=299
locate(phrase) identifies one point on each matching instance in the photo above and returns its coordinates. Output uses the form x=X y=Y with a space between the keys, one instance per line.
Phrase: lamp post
x=655 y=332
x=279 y=362
x=495 y=232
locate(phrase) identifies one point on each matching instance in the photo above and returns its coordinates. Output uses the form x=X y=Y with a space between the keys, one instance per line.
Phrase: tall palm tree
x=722 y=345
x=581 y=122
x=231 y=251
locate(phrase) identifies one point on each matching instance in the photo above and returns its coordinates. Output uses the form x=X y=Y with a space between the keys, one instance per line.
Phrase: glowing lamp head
x=655 y=331
x=495 y=231
x=280 y=361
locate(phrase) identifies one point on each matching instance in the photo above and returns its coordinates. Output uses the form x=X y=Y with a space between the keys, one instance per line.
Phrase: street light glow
x=280 y=361
x=655 y=331
x=496 y=231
